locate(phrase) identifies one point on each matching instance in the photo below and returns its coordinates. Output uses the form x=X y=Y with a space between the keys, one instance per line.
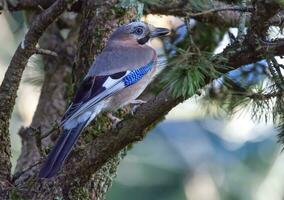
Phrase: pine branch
x=134 y=128
x=102 y=147
x=264 y=96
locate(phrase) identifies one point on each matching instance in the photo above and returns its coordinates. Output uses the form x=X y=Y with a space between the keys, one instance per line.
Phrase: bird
x=117 y=77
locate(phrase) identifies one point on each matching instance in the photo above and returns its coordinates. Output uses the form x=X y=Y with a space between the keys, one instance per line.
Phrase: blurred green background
x=188 y=156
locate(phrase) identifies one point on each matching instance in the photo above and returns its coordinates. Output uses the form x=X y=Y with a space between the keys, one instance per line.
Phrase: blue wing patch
x=135 y=75
x=94 y=86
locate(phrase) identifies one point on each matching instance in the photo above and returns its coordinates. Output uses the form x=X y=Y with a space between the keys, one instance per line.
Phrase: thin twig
x=278 y=70
x=45 y=52
x=39 y=136
x=262 y=96
x=46 y=134
x=214 y=10
x=40 y=7
x=18 y=174
x=242 y=23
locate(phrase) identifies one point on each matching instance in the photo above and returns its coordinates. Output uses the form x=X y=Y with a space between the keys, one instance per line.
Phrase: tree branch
x=261 y=95
x=263 y=11
x=94 y=32
x=215 y=12
x=25 y=4
x=10 y=84
x=220 y=9
x=52 y=101
x=134 y=128
x=91 y=155
x=207 y=11
x=45 y=52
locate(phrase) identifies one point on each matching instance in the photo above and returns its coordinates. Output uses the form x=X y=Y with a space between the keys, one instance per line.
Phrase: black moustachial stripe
x=144 y=40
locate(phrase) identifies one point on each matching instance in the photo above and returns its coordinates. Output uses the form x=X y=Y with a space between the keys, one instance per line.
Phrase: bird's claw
x=137 y=103
x=114 y=120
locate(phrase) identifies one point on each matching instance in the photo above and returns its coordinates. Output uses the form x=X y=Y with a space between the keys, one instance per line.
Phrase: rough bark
x=10 y=84
x=92 y=37
x=52 y=101
x=181 y=8
x=89 y=171
x=99 y=19
x=133 y=128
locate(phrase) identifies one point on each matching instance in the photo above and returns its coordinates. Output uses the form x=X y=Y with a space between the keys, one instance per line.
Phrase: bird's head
x=137 y=32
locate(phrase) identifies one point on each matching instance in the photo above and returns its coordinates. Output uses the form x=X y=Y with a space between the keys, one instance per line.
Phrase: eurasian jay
x=116 y=78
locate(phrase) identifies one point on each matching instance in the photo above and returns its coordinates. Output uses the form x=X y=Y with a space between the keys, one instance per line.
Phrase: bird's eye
x=138 y=31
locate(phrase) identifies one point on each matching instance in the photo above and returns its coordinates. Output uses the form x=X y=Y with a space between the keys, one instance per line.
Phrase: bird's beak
x=159 y=32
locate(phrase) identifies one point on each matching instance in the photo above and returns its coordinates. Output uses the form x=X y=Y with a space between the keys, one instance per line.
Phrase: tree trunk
x=59 y=84
x=91 y=167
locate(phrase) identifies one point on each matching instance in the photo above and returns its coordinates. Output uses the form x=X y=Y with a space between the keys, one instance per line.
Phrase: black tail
x=60 y=151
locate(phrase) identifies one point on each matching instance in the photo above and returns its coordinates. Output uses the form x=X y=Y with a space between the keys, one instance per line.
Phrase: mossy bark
x=92 y=165
x=57 y=91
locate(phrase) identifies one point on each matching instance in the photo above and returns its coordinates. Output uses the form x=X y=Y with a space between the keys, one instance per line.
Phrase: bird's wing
x=94 y=89
x=118 y=59
x=89 y=87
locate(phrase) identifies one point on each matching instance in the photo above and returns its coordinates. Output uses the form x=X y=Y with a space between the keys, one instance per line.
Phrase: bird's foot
x=114 y=120
x=136 y=103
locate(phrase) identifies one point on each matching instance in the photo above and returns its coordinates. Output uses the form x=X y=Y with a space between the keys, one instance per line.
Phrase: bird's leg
x=136 y=103
x=114 y=120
